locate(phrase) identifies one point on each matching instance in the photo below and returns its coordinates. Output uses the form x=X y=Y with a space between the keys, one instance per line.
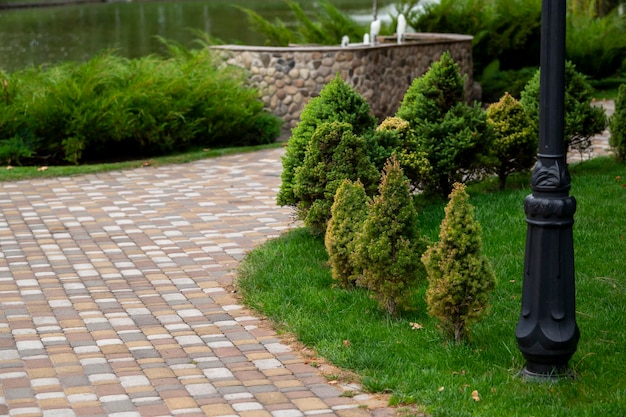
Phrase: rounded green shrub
x=617 y=126
x=334 y=153
x=515 y=145
x=459 y=275
x=337 y=102
x=348 y=213
x=389 y=247
x=582 y=120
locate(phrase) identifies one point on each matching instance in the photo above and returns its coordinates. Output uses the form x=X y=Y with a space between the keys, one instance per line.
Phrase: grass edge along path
x=19 y=173
x=288 y=280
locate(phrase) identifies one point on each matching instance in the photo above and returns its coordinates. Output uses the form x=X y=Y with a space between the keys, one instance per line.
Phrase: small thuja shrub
x=395 y=136
x=582 y=119
x=459 y=275
x=337 y=102
x=348 y=213
x=515 y=142
x=617 y=126
x=451 y=139
x=386 y=139
x=334 y=153
x=389 y=247
x=433 y=94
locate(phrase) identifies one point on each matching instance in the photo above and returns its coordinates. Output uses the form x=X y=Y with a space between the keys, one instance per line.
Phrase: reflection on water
x=51 y=35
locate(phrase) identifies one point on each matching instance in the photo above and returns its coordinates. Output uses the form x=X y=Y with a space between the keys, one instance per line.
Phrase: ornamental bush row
x=377 y=244
x=434 y=143
x=437 y=138
x=113 y=108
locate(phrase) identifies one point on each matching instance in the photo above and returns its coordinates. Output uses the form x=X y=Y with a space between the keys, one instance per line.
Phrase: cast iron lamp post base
x=547 y=333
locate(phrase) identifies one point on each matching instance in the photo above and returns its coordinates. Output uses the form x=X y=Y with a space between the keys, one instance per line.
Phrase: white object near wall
x=401 y=29
x=374 y=31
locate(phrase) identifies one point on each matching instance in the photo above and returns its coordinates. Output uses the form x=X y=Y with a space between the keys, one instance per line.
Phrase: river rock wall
x=290 y=76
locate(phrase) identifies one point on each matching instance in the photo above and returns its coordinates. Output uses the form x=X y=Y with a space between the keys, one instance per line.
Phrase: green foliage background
x=618 y=125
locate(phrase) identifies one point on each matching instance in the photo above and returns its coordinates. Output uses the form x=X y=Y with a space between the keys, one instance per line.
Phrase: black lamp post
x=547 y=333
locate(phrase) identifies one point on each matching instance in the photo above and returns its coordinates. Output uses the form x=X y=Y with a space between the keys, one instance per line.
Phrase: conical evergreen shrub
x=582 y=119
x=451 y=139
x=334 y=153
x=389 y=247
x=337 y=102
x=348 y=212
x=459 y=275
x=433 y=94
x=515 y=145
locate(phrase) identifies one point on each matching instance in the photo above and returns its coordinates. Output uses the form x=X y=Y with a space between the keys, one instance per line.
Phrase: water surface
x=50 y=35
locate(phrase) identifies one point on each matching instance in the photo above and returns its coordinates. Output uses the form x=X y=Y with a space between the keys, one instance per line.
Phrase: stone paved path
x=114 y=297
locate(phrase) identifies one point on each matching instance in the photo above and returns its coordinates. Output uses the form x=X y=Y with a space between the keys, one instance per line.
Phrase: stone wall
x=289 y=76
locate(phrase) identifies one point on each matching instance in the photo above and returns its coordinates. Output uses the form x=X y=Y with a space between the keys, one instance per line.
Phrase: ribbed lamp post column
x=547 y=333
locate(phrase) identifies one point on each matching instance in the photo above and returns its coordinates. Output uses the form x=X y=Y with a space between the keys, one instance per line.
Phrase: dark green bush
x=508 y=30
x=389 y=247
x=459 y=274
x=582 y=119
x=335 y=153
x=515 y=144
x=348 y=213
x=597 y=46
x=337 y=102
x=12 y=150
x=450 y=140
x=617 y=126
x=495 y=82
x=115 y=108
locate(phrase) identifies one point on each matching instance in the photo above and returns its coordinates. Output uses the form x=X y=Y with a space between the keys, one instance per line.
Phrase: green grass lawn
x=288 y=280
x=17 y=173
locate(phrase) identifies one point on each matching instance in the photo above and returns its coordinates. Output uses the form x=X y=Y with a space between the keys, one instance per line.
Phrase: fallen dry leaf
x=475 y=395
x=416 y=326
x=346 y=343
x=43 y=168
x=146 y=164
x=441 y=389
x=9 y=166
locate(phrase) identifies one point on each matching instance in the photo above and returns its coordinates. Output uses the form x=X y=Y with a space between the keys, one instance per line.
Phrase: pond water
x=49 y=35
